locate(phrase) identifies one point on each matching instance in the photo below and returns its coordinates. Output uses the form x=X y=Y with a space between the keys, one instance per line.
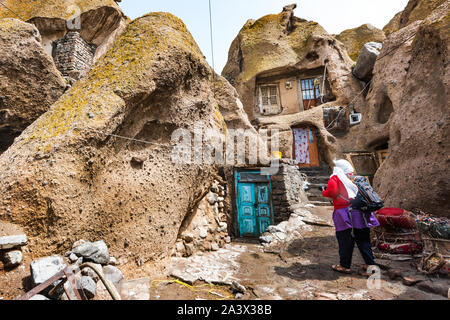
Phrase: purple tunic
x=342 y=220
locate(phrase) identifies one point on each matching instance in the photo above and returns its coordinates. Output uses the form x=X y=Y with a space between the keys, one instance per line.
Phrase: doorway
x=306 y=149
x=253 y=203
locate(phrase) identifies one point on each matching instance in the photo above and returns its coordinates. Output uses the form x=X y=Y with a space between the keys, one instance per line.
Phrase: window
x=269 y=99
x=310 y=92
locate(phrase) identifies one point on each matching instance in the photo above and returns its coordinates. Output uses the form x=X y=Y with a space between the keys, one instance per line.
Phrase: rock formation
x=409 y=107
x=266 y=45
x=97 y=23
x=355 y=39
x=98 y=164
x=415 y=10
x=269 y=47
x=29 y=80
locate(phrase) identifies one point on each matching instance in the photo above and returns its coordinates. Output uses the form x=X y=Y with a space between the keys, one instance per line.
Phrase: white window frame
x=269 y=109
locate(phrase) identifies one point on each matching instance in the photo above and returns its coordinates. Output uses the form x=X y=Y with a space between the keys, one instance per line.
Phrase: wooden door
x=306 y=150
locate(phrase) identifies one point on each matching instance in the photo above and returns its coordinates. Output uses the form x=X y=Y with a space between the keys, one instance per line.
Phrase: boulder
x=45 y=268
x=366 y=60
x=354 y=39
x=97 y=19
x=96 y=252
x=410 y=111
x=414 y=11
x=278 y=44
x=10 y=242
x=153 y=83
x=114 y=275
x=29 y=80
x=12 y=258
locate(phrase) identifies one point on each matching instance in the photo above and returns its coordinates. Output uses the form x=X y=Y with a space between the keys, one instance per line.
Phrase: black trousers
x=347 y=245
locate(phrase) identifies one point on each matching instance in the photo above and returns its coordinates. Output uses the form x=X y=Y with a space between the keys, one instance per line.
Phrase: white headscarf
x=341 y=170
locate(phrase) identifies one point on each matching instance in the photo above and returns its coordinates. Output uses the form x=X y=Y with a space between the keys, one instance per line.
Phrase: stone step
x=320 y=203
x=318 y=180
x=318 y=198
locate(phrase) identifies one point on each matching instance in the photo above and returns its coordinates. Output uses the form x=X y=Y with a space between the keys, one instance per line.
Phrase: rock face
x=29 y=80
x=408 y=108
x=75 y=33
x=77 y=179
x=415 y=10
x=284 y=44
x=366 y=60
x=355 y=39
x=312 y=117
x=98 y=19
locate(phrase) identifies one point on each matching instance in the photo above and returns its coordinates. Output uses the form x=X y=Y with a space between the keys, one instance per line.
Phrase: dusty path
x=299 y=271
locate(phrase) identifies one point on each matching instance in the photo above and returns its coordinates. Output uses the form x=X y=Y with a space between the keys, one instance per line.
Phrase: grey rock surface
x=114 y=275
x=12 y=258
x=366 y=60
x=89 y=286
x=93 y=251
x=45 y=268
x=10 y=242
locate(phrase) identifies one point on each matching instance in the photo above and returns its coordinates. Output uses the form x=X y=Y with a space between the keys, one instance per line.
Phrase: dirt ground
x=300 y=270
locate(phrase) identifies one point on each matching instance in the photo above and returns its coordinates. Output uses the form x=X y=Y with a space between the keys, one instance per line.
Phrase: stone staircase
x=317 y=177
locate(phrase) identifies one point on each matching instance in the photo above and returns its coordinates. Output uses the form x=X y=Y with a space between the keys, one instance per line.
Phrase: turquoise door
x=253 y=201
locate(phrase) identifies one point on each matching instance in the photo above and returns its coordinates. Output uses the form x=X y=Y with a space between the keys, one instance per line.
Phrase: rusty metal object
x=108 y=285
x=72 y=291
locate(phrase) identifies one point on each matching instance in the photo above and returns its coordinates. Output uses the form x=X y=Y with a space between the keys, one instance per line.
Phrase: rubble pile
x=86 y=279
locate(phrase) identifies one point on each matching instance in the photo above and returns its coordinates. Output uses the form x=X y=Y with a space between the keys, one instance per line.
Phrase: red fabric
x=393 y=218
x=334 y=189
x=402 y=248
x=391 y=212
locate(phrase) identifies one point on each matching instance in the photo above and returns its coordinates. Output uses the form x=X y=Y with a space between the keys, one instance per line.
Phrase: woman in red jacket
x=351 y=226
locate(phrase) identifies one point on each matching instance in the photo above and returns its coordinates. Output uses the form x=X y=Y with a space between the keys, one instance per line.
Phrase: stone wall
x=207 y=228
x=287 y=190
x=73 y=55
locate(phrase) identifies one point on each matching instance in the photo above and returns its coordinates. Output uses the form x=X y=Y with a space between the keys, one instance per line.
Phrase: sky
x=228 y=17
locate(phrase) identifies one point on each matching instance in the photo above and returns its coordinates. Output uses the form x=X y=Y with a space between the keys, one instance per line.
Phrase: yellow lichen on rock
x=61 y=9
x=415 y=10
x=354 y=39
x=120 y=72
x=264 y=51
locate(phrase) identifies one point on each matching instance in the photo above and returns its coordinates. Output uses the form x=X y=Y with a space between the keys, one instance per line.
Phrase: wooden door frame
x=315 y=133
x=235 y=197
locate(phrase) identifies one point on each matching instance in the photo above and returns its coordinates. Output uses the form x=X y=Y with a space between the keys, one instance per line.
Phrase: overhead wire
x=4 y=5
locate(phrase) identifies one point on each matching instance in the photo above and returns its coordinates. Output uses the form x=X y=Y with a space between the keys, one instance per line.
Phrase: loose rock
x=366 y=60
x=89 y=286
x=114 y=275
x=45 y=268
x=93 y=251
x=12 y=258
x=10 y=242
